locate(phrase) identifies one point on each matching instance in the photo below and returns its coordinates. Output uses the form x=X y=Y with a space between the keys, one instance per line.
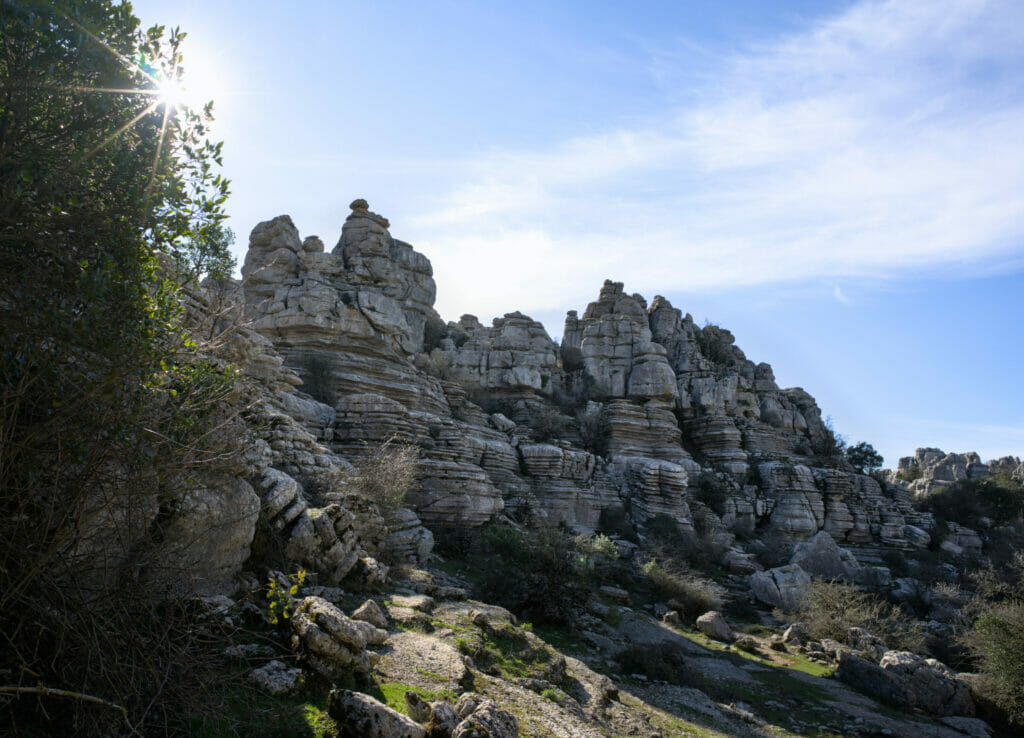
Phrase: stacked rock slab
x=516 y=352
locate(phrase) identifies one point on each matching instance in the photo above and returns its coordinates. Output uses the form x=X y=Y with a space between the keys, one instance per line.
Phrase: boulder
x=863 y=642
x=783 y=587
x=713 y=625
x=909 y=682
x=438 y=717
x=487 y=720
x=820 y=556
x=361 y=716
x=370 y=612
x=276 y=678
x=796 y=634
x=871 y=679
x=930 y=685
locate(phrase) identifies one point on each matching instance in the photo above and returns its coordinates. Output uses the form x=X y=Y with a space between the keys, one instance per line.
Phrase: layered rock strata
x=634 y=408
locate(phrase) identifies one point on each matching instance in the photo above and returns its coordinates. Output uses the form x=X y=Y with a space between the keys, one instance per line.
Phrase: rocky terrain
x=638 y=416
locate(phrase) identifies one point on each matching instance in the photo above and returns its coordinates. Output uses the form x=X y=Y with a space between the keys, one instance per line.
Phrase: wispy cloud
x=882 y=141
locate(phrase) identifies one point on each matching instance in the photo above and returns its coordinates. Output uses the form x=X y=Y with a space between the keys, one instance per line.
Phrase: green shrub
x=575 y=391
x=830 y=609
x=665 y=529
x=997 y=642
x=712 y=492
x=863 y=457
x=910 y=473
x=595 y=430
x=553 y=695
x=547 y=423
x=111 y=208
x=434 y=331
x=605 y=547
x=715 y=344
x=667 y=663
x=572 y=360
x=535 y=573
x=998 y=497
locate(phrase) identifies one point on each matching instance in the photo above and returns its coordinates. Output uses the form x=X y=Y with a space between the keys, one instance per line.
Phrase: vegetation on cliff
x=111 y=204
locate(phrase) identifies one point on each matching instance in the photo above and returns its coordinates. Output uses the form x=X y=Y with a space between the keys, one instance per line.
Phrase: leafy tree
x=109 y=204
x=863 y=457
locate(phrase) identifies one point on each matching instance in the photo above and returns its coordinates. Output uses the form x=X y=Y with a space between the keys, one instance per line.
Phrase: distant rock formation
x=931 y=469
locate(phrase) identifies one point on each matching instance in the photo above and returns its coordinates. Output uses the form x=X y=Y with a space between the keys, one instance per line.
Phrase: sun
x=172 y=93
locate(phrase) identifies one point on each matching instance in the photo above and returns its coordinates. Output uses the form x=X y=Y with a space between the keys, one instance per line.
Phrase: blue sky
x=841 y=184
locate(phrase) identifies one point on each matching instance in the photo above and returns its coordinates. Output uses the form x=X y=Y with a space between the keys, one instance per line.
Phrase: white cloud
x=885 y=141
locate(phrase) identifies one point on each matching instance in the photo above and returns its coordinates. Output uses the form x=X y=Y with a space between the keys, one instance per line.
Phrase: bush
x=547 y=423
x=998 y=497
x=434 y=331
x=537 y=573
x=595 y=429
x=711 y=491
x=996 y=640
x=715 y=344
x=577 y=389
x=572 y=360
x=385 y=474
x=685 y=591
x=773 y=549
x=830 y=609
x=435 y=363
x=997 y=643
x=665 y=529
x=910 y=473
x=830 y=448
x=667 y=663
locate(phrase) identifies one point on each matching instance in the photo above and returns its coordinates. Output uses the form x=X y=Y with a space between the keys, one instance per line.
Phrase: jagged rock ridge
x=676 y=402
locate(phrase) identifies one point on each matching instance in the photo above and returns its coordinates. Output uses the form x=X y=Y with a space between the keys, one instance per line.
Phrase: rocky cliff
x=639 y=412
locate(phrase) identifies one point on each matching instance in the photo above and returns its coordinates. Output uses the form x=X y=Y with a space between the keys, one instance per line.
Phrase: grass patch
x=670 y=724
x=776 y=659
x=393 y=694
x=508 y=651
x=553 y=695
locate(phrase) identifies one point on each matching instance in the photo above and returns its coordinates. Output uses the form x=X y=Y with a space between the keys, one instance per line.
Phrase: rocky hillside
x=639 y=432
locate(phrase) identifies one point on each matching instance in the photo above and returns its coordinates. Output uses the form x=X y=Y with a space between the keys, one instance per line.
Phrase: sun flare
x=172 y=93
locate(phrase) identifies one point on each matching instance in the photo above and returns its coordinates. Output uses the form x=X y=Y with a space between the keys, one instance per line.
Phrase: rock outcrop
x=628 y=414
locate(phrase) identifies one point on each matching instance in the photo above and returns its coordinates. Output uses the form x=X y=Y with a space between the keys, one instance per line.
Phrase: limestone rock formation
x=908 y=681
x=331 y=643
x=630 y=413
x=360 y=716
x=930 y=469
